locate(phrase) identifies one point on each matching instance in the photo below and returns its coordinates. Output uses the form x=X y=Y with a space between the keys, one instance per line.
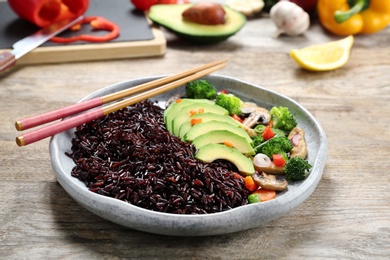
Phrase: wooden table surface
x=347 y=217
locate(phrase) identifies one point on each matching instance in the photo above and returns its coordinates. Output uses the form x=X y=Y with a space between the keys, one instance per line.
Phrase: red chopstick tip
x=19 y=126
x=20 y=141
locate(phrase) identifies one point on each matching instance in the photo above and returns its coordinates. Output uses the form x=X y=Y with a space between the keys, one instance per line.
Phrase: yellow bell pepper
x=348 y=17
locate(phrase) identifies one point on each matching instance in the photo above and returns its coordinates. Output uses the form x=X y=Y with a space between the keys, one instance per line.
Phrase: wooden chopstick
x=34 y=121
x=93 y=114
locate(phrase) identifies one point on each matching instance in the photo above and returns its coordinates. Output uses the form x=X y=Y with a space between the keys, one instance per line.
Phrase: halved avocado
x=222 y=136
x=206 y=117
x=212 y=152
x=171 y=111
x=170 y=17
x=202 y=128
x=186 y=112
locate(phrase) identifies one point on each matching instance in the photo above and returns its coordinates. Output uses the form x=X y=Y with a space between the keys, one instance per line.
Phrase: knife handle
x=7 y=60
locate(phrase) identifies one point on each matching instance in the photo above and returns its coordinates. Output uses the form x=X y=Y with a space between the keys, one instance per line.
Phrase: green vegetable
x=278 y=133
x=282 y=118
x=278 y=145
x=230 y=102
x=200 y=89
x=257 y=140
x=297 y=169
x=254 y=198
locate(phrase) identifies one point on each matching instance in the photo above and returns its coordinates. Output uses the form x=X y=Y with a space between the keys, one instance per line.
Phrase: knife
x=23 y=46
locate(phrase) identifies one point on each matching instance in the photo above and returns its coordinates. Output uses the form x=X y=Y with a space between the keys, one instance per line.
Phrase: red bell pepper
x=98 y=23
x=46 y=12
x=145 y=5
x=236 y=117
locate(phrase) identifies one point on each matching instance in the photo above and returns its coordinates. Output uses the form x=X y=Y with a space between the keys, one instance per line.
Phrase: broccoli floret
x=282 y=118
x=297 y=169
x=230 y=102
x=257 y=140
x=199 y=89
x=276 y=145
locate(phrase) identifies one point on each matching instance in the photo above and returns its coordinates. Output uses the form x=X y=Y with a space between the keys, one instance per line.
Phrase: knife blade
x=23 y=46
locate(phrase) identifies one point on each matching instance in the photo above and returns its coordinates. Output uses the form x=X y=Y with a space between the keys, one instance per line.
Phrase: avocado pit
x=206 y=13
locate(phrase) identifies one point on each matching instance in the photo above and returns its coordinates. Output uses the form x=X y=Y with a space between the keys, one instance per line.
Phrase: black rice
x=129 y=155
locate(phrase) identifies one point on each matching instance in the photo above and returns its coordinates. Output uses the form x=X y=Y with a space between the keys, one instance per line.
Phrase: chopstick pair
x=153 y=88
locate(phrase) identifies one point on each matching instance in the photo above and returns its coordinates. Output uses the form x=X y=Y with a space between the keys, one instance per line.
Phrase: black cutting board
x=135 y=32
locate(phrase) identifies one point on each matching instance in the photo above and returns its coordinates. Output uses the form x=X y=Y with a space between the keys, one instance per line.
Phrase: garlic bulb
x=289 y=18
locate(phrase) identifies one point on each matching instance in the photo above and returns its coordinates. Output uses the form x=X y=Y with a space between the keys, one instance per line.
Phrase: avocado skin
x=170 y=17
x=212 y=152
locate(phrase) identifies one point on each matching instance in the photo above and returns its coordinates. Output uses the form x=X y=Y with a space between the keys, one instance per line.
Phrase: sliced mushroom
x=270 y=182
x=257 y=115
x=172 y=99
x=297 y=137
x=251 y=132
x=272 y=168
x=248 y=107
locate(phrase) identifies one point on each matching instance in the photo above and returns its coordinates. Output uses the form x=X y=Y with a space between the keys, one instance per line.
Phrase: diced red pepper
x=278 y=160
x=267 y=133
x=179 y=100
x=250 y=184
x=194 y=111
x=195 y=121
x=46 y=12
x=236 y=117
x=237 y=175
x=228 y=144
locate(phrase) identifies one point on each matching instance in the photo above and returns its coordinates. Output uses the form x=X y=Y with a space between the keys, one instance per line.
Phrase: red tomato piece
x=278 y=160
x=268 y=133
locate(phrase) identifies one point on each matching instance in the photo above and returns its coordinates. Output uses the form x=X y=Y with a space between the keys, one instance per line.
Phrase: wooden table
x=347 y=217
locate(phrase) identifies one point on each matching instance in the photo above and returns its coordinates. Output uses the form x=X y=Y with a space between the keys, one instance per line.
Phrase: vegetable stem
x=357 y=7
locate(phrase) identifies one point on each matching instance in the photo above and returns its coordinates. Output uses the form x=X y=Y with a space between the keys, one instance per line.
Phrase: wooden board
x=138 y=38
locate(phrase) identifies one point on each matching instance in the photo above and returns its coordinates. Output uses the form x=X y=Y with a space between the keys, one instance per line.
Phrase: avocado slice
x=202 y=128
x=206 y=117
x=170 y=17
x=222 y=136
x=185 y=114
x=212 y=152
x=171 y=111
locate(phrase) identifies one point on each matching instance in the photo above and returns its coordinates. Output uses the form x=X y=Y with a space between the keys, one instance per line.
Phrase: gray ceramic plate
x=241 y=218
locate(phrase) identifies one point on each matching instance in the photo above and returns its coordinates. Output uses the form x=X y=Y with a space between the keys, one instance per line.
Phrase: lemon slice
x=323 y=57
